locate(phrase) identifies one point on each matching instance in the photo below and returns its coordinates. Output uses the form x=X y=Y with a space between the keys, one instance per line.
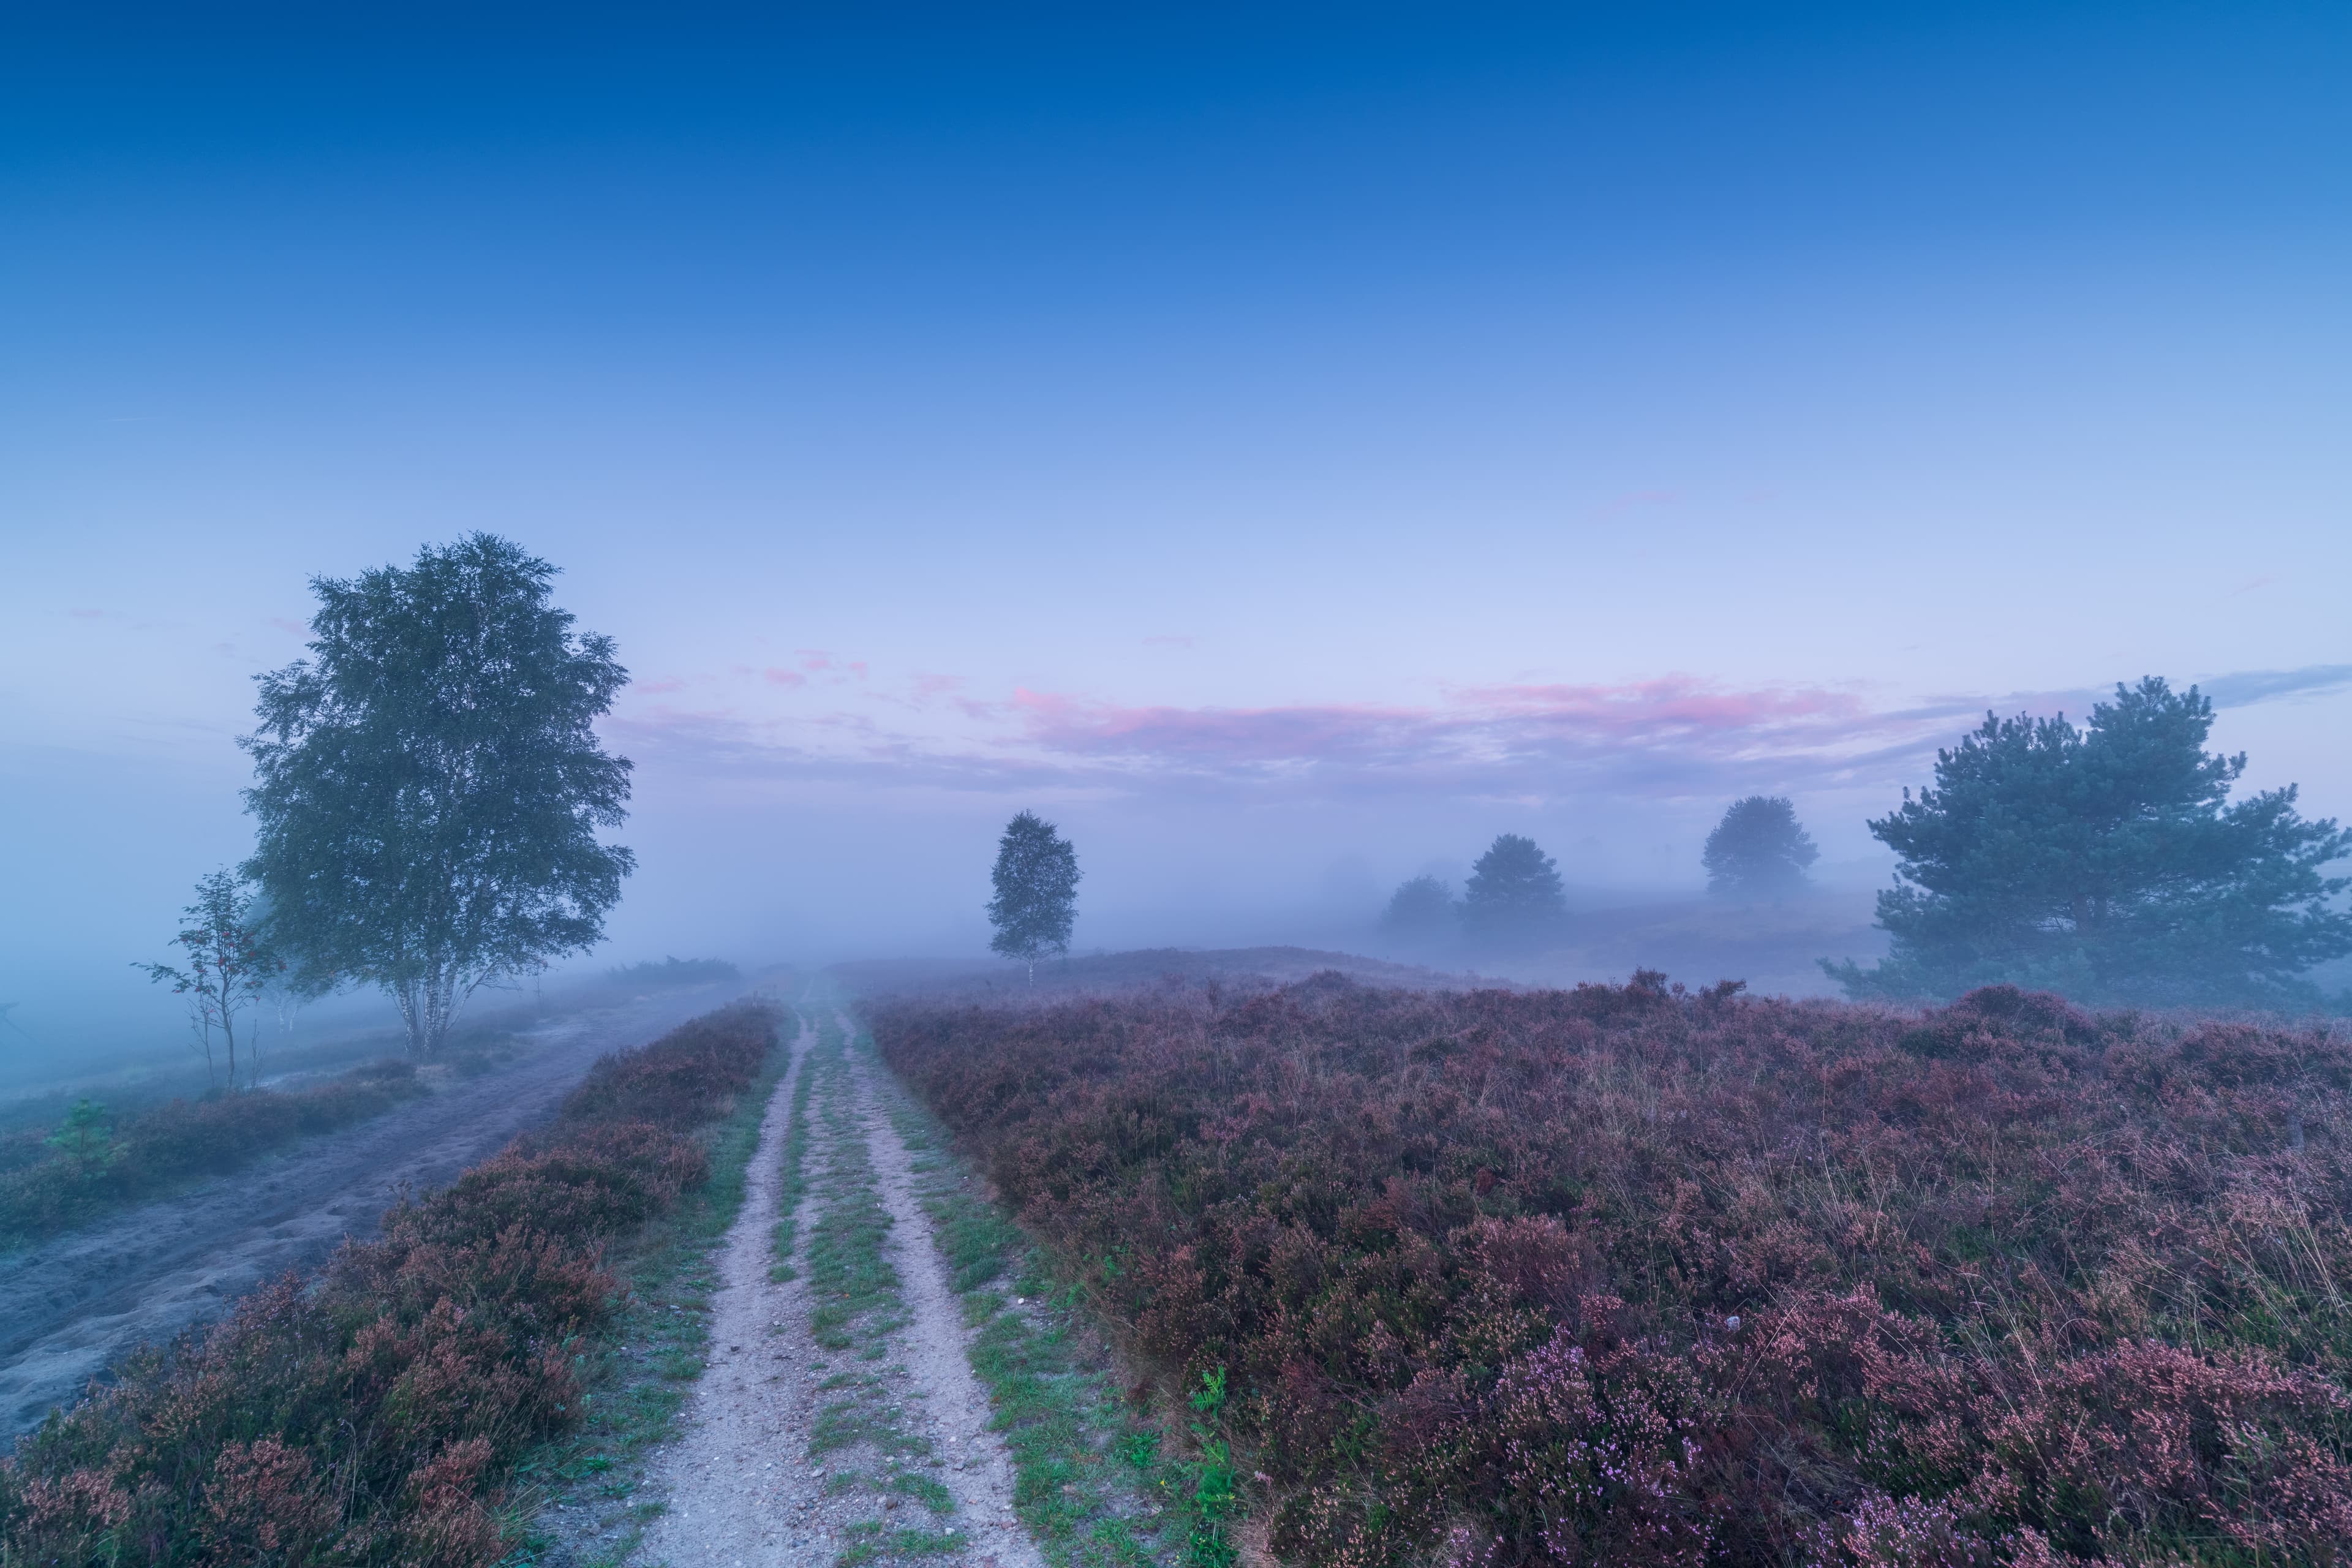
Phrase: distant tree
x=1419 y=908
x=2106 y=863
x=227 y=967
x=1513 y=890
x=1758 y=850
x=431 y=785
x=1036 y=898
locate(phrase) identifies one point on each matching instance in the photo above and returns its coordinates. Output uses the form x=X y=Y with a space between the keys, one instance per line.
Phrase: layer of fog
x=759 y=874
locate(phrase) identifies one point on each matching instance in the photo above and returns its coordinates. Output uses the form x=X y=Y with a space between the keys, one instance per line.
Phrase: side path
x=838 y=1421
x=71 y=1306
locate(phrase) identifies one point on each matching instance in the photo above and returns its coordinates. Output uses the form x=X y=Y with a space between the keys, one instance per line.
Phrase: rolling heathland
x=1628 y=1275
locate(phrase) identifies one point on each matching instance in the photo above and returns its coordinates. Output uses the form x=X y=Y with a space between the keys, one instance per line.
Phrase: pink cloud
x=1489 y=722
x=658 y=687
x=1670 y=704
x=1675 y=736
x=784 y=677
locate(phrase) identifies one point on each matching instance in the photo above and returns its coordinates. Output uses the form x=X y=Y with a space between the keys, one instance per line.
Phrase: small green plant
x=1214 y=1500
x=86 y=1137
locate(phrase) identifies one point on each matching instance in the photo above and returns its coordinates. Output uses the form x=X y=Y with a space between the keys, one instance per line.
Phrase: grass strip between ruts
x=793 y=1175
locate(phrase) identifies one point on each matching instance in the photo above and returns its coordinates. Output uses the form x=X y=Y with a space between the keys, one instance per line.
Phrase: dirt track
x=746 y=1484
x=69 y=1307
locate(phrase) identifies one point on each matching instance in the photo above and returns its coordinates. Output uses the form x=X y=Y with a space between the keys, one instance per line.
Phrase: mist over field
x=1277 y=551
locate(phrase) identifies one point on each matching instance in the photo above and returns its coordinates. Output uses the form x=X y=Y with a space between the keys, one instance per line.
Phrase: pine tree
x=2107 y=863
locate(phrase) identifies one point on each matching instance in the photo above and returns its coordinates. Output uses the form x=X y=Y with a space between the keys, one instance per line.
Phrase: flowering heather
x=1629 y=1276
x=368 y=1416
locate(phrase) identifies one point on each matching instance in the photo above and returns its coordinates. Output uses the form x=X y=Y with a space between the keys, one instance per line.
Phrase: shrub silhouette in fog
x=1421 y=910
x=2107 y=863
x=1514 y=892
x=1758 y=850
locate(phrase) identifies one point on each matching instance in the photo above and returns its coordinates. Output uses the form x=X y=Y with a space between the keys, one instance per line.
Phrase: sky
x=1285 y=445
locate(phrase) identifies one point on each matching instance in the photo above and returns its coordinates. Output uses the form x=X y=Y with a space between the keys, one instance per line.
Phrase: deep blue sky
x=1291 y=445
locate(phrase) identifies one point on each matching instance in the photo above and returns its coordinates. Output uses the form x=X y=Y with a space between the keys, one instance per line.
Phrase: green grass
x=854 y=1292
x=873 y=1541
x=642 y=1375
x=1093 y=1481
x=793 y=1185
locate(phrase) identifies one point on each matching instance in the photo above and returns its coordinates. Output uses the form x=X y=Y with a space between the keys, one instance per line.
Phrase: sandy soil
x=740 y=1486
x=70 y=1306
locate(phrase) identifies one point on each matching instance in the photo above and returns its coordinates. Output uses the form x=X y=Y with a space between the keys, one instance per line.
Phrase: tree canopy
x=1421 y=908
x=2107 y=863
x=1513 y=890
x=430 y=784
x=1036 y=892
x=1758 y=850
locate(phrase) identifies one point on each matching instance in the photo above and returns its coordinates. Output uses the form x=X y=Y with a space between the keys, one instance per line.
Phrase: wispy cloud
x=2252 y=686
x=1676 y=736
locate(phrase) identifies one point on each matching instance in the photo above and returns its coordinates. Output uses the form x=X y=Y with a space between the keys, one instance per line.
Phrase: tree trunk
x=427 y=1007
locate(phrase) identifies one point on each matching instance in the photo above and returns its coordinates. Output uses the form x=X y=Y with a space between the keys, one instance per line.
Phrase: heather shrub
x=370 y=1414
x=1633 y=1276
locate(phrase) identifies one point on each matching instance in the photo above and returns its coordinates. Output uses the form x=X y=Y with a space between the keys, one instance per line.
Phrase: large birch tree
x=430 y=784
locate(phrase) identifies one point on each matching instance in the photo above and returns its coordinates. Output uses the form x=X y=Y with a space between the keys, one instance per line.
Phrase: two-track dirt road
x=70 y=1306
x=803 y=1441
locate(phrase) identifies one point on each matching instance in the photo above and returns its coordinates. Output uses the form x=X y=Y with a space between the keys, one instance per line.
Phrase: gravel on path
x=740 y=1487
